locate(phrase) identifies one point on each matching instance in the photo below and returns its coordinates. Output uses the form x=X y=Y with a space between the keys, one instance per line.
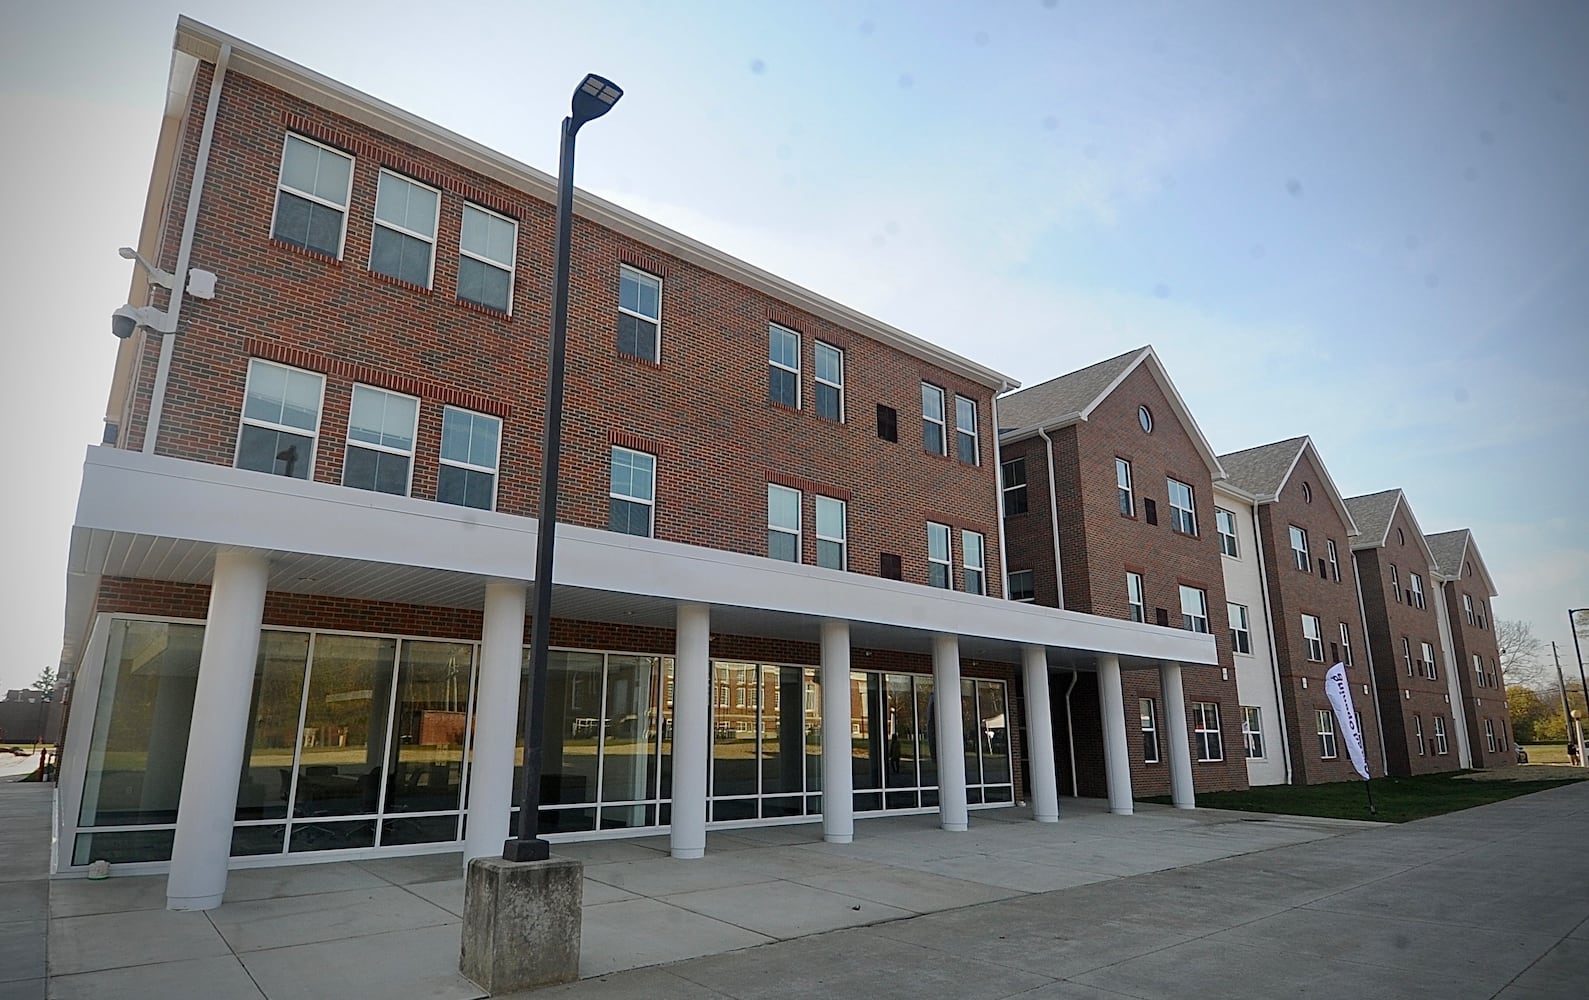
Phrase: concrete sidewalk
x=24 y=886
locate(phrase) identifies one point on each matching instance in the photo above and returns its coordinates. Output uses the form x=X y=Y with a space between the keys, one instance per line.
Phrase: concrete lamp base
x=521 y=923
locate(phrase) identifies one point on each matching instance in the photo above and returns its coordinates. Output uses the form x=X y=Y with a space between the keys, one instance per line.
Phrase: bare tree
x=1523 y=655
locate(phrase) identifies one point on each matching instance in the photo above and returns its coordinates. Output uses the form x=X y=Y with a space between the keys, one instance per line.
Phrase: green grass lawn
x=1546 y=753
x=1397 y=800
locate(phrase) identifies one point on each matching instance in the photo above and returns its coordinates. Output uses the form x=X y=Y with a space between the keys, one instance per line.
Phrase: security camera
x=129 y=318
x=123 y=321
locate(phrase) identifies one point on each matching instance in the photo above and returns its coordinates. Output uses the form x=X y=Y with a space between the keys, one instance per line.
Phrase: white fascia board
x=1047 y=426
x=1178 y=405
x=152 y=495
x=1230 y=489
x=204 y=42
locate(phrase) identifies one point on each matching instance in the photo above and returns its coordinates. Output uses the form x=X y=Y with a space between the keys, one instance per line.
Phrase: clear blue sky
x=1367 y=222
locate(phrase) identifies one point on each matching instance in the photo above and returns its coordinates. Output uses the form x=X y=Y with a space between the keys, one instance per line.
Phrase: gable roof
x=1260 y=473
x=1453 y=548
x=1373 y=513
x=1072 y=398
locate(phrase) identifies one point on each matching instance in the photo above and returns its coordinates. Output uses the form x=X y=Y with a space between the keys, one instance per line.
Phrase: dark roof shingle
x=1373 y=512
x=1062 y=396
x=1261 y=471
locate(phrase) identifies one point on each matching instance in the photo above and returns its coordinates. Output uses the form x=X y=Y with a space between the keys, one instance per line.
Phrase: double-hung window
x=1013 y=476
x=1429 y=662
x=974 y=562
x=1395 y=583
x=1313 y=638
x=381 y=430
x=1417 y=735
x=1021 y=587
x=470 y=443
x=281 y=419
x=783 y=366
x=1128 y=502
x=1326 y=726
x=1489 y=735
x=1346 y=645
x=1252 y=731
x=832 y=532
x=312 y=196
x=1225 y=524
x=1406 y=654
x=830 y=382
x=631 y=492
x=1240 y=630
x=405 y=229
x=1134 y=599
x=1335 y=560
x=1205 y=731
x=1150 y=730
x=487 y=249
x=1467 y=608
x=1299 y=549
x=639 y=314
x=1415 y=587
x=1183 y=514
x=1194 y=609
x=1478 y=671
x=940 y=567
x=1441 y=748
x=783 y=523
x=966 y=430
x=933 y=439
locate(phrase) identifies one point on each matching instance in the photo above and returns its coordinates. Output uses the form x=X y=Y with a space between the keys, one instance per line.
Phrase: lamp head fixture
x=593 y=98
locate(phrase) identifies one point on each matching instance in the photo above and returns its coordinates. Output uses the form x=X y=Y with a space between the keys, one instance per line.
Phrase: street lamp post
x=1572 y=623
x=593 y=98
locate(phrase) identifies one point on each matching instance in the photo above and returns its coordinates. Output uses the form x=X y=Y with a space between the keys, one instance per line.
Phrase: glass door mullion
x=297 y=747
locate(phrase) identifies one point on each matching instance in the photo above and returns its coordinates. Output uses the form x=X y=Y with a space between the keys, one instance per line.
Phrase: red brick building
x=1465 y=589
x=1109 y=510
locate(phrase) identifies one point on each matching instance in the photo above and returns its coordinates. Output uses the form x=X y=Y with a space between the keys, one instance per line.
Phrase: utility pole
x=1561 y=682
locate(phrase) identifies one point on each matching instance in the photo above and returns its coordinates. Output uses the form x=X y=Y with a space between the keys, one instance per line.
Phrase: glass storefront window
x=265 y=785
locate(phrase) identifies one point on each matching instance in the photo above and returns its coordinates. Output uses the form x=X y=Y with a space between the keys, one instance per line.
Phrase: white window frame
x=1395 y=582
x=1335 y=560
x=962 y=431
x=1008 y=490
x=1191 y=619
x=795 y=371
x=1182 y=519
x=1441 y=746
x=1301 y=557
x=247 y=421
x=1228 y=545
x=973 y=572
x=1313 y=638
x=641 y=278
x=377 y=223
x=947 y=562
x=1430 y=671
x=1210 y=743
x=1137 y=603
x=1240 y=634
x=1252 y=732
x=413 y=435
x=1467 y=607
x=1329 y=749
x=842 y=539
x=612 y=453
x=1489 y=735
x=940 y=421
x=347 y=196
x=1417 y=732
x=797 y=532
x=1478 y=668
x=816 y=372
x=1346 y=644
x=511 y=267
x=1031 y=586
x=1415 y=586
x=1406 y=654
x=496 y=458
x=1124 y=488
x=1148 y=720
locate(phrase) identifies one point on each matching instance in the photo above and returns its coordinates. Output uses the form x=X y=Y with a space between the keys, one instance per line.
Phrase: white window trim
x=1201 y=731
x=1489 y=735
x=1406 y=654
x=1335 y=561
x=413 y=435
x=1141 y=603
x=942 y=420
x=1202 y=599
x=435 y=228
x=512 y=268
x=656 y=320
x=1179 y=514
x=347 y=198
x=1467 y=606
x=844 y=528
x=1329 y=748
x=1478 y=668
x=799 y=528
x=1442 y=747
x=1346 y=644
x=1395 y=582
x=1428 y=651
x=981 y=567
x=1417 y=729
x=246 y=421
x=799 y=349
x=496 y=477
x=1129 y=489
x=976 y=440
x=1415 y=585
x=652 y=503
x=1301 y=558
x=948 y=562
x=1219 y=529
x=1246 y=627
x=1315 y=639
x=1251 y=735
x=816 y=371
x=1151 y=727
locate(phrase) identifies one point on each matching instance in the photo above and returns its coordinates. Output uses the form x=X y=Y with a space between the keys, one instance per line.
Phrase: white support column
x=1116 y=752
x=1177 y=735
x=691 y=730
x=950 y=752
x=202 y=849
x=1040 y=736
x=838 y=780
x=496 y=721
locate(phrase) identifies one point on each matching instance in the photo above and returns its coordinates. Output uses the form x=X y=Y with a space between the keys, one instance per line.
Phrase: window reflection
x=265 y=785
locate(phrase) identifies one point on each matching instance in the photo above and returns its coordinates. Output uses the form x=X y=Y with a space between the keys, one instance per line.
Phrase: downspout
x=1368 y=651
x=998 y=507
x=1053 y=519
x=184 y=250
x=1274 y=653
x=1070 y=735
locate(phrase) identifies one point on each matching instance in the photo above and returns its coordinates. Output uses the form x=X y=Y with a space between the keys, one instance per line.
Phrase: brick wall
x=1482 y=699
